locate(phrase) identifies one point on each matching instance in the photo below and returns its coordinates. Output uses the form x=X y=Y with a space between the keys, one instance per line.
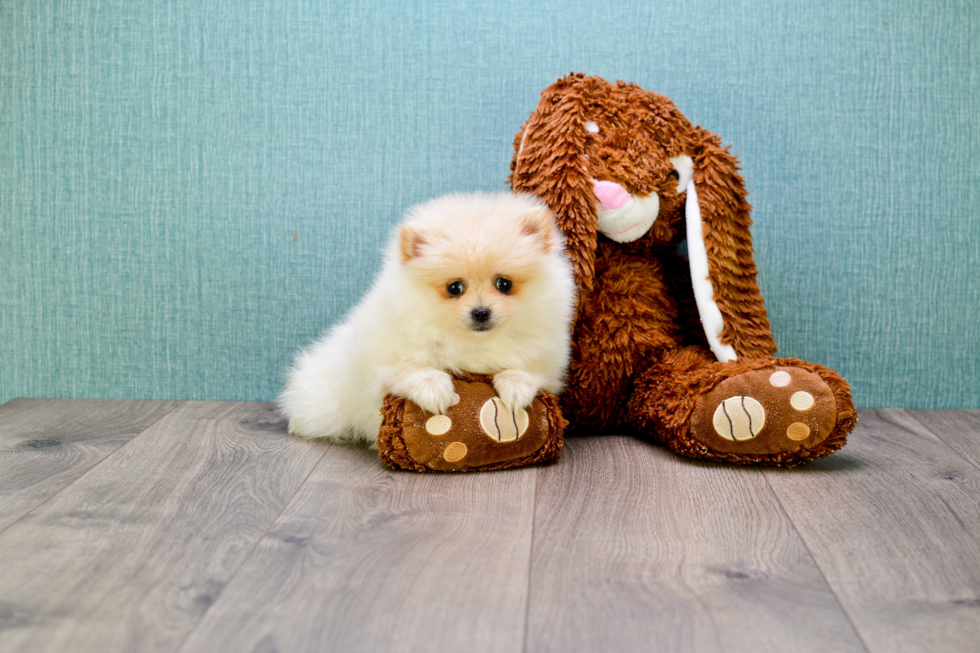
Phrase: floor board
x=959 y=429
x=365 y=559
x=636 y=549
x=131 y=555
x=893 y=520
x=201 y=527
x=45 y=444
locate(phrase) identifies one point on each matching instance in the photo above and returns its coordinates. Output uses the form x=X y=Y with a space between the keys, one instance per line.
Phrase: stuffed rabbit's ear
x=720 y=250
x=549 y=163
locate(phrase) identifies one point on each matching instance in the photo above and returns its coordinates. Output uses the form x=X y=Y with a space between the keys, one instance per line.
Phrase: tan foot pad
x=477 y=432
x=768 y=411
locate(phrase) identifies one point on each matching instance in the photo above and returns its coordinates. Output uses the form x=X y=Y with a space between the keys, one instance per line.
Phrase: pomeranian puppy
x=471 y=283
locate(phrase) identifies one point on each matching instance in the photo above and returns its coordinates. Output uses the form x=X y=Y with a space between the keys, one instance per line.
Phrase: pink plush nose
x=611 y=195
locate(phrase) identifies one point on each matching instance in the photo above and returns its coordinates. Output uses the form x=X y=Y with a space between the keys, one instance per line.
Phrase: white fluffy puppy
x=474 y=283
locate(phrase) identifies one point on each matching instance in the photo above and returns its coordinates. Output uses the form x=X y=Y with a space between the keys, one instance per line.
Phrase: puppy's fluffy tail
x=322 y=398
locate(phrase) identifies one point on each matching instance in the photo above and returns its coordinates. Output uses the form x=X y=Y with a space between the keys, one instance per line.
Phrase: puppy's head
x=477 y=262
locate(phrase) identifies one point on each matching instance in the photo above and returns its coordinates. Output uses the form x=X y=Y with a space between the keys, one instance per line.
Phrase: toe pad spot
x=797 y=431
x=739 y=418
x=500 y=423
x=780 y=378
x=454 y=452
x=438 y=424
x=801 y=400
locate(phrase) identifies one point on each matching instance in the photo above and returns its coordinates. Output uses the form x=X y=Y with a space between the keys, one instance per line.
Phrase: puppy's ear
x=540 y=224
x=411 y=238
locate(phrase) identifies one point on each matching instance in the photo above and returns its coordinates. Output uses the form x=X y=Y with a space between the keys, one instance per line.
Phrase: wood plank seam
x=360 y=541
x=89 y=470
x=640 y=550
x=816 y=562
x=131 y=558
x=939 y=436
x=530 y=558
x=894 y=529
x=217 y=596
x=966 y=459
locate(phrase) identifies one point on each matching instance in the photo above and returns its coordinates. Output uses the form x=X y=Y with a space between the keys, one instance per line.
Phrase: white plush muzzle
x=623 y=218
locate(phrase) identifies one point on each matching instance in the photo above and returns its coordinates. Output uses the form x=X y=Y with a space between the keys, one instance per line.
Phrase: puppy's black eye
x=456 y=288
x=673 y=174
x=504 y=285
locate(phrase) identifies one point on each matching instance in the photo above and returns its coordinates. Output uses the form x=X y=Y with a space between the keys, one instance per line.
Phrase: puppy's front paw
x=515 y=388
x=432 y=391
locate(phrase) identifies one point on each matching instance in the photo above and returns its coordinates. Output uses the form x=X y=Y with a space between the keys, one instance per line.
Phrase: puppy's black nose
x=480 y=315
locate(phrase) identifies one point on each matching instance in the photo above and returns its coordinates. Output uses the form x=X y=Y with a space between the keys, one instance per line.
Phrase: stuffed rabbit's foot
x=769 y=411
x=477 y=432
x=774 y=410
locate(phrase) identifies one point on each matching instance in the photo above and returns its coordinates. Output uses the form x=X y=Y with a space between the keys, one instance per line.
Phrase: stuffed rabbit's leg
x=764 y=411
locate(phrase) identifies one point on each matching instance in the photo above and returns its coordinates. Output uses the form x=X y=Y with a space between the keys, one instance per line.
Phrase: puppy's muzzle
x=480 y=319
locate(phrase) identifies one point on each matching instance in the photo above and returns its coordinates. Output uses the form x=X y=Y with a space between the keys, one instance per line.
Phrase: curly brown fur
x=557 y=158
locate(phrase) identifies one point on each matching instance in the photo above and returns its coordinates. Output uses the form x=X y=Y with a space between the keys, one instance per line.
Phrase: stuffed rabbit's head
x=621 y=167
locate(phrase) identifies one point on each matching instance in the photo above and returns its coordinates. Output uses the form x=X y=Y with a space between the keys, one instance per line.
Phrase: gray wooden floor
x=202 y=527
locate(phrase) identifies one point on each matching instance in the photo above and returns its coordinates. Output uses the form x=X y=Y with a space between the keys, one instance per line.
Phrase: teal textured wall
x=192 y=189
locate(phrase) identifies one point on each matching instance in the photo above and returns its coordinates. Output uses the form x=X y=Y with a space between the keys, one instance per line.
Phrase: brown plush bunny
x=687 y=363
